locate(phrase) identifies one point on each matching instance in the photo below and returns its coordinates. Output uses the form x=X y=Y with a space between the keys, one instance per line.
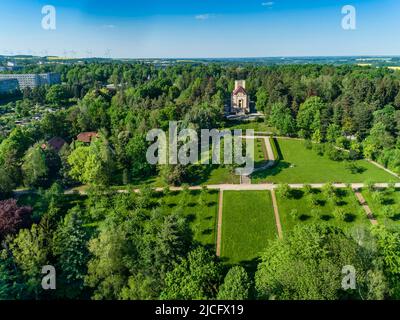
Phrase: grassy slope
x=323 y=213
x=248 y=223
x=300 y=165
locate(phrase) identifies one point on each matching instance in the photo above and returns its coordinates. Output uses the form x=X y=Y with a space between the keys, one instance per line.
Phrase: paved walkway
x=366 y=207
x=270 y=151
x=219 y=224
x=276 y=212
x=245 y=180
x=383 y=168
x=244 y=187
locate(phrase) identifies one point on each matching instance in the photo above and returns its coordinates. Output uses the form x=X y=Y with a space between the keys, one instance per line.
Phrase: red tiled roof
x=87 y=137
x=238 y=90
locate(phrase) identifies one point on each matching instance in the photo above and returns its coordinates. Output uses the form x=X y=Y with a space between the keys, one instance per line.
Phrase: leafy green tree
x=281 y=119
x=30 y=253
x=40 y=167
x=69 y=247
x=309 y=116
x=5 y=281
x=57 y=95
x=195 y=278
x=94 y=164
x=389 y=247
x=136 y=153
x=77 y=160
x=378 y=140
x=236 y=285
x=284 y=190
x=34 y=168
x=107 y=269
x=333 y=132
x=339 y=214
x=202 y=201
x=7 y=182
x=307 y=264
x=262 y=100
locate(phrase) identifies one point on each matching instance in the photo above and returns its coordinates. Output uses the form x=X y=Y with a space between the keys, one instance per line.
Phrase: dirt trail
x=366 y=208
x=219 y=226
x=276 y=212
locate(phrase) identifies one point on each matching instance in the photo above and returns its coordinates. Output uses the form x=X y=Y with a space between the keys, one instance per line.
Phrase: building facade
x=240 y=102
x=33 y=80
x=8 y=85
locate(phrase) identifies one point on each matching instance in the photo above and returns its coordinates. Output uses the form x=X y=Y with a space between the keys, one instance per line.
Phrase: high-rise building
x=8 y=85
x=33 y=80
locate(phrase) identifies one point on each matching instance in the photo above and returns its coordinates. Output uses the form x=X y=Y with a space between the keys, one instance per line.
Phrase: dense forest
x=109 y=245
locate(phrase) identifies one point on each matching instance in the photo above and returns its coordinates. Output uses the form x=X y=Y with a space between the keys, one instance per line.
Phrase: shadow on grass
x=388 y=202
x=304 y=217
x=395 y=217
x=296 y=194
x=326 y=217
x=207 y=231
x=271 y=171
x=349 y=218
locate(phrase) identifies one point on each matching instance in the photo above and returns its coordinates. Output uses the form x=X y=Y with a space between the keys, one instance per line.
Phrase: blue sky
x=199 y=28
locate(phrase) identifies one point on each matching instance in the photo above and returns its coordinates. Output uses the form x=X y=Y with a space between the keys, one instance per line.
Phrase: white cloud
x=268 y=4
x=109 y=26
x=204 y=16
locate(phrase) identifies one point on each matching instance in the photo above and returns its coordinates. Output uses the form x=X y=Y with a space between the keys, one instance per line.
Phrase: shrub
x=319 y=149
x=329 y=190
x=308 y=144
x=388 y=212
x=339 y=214
x=294 y=213
x=284 y=190
x=354 y=168
x=313 y=200
x=334 y=154
x=378 y=197
x=370 y=185
x=307 y=189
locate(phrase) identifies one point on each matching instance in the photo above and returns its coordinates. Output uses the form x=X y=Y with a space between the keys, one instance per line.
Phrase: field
x=202 y=217
x=301 y=165
x=385 y=205
x=299 y=208
x=248 y=223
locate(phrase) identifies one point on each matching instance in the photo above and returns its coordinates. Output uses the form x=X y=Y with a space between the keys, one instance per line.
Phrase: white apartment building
x=33 y=80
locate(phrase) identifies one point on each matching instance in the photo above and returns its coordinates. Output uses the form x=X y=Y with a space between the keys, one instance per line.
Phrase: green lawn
x=248 y=223
x=322 y=211
x=301 y=165
x=260 y=153
x=202 y=218
x=388 y=201
x=220 y=175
